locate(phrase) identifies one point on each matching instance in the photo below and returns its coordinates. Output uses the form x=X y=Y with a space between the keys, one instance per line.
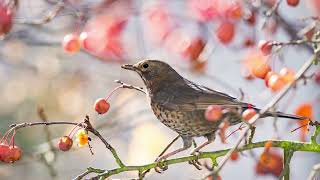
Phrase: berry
x=251 y=18
x=287 y=75
x=65 y=143
x=265 y=47
x=213 y=113
x=248 y=42
x=269 y=163
x=261 y=70
x=203 y=10
x=275 y=82
x=304 y=110
x=101 y=106
x=82 y=138
x=293 y=2
x=267 y=77
x=234 y=11
x=71 y=43
x=6 y=16
x=317 y=77
x=10 y=154
x=248 y=114
x=234 y=156
x=225 y=32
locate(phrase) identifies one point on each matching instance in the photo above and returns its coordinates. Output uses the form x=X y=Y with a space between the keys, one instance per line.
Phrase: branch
x=287 y=155
x=294 y=146
x=274 y=101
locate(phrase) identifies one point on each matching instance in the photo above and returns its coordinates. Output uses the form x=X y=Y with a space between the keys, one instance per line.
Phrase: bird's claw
x=160 y=167
x=196 y=162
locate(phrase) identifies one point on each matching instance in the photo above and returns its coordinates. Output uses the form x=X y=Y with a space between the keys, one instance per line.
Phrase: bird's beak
x=129 y=67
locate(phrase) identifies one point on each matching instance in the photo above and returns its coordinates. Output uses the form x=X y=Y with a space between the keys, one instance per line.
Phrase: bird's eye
x=145 y=66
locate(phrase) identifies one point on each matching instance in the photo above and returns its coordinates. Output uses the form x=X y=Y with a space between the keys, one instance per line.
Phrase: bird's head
x=153 y=71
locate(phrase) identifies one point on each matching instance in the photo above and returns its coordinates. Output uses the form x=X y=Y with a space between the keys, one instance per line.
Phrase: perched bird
x=180 y=104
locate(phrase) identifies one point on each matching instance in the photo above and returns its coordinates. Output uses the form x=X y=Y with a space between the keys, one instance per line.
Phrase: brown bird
x=180 y=104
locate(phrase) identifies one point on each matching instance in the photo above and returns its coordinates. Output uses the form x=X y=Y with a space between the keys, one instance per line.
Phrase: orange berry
x=275 y=82
x=234 y=11
x=293 y=2
x=261 y=70
x=71 y=43
x=287 y=75
x=266 y=79
x=269 y=163
x=65 y=143
x=225 y=32
x=101 y=106
x=248 y=114
x=213 y=113
x=234 y=156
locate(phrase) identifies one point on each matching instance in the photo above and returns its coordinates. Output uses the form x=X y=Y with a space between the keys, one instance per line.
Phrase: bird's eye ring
x=145 y=66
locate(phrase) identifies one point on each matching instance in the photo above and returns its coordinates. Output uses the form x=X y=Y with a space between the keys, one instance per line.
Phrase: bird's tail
x=282 y=115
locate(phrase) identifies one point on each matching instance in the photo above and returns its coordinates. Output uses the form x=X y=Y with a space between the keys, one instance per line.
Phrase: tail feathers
x=282 y=115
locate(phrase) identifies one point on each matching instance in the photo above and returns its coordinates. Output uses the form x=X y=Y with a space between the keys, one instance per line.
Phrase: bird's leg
x=165 y=149
x=195 y=152
x=187 y=143
x=168 y=146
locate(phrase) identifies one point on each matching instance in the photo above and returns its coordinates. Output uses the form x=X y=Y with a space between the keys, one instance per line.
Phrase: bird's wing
x=197 y=97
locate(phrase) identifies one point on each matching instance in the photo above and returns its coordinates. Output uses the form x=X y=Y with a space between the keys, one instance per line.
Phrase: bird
x=180 y=104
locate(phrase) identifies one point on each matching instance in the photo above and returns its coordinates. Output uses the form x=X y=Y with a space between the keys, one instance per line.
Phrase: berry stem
x=110 y=94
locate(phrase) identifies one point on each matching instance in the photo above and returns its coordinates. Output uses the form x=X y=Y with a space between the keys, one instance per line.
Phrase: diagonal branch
x=274 y=101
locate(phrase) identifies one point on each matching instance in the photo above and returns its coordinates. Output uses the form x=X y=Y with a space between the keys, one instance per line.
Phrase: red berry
x=275 y=82
x=234 y=156
x=213 y=113
x=248 y=42
x=251 y=18
x=265 y=47
x=65 y=143
x=317 y=77
x=101 y=106
x=71 y=43
x=4 y=148
x=293 y=2
x=10 y=154
x=248 y=114
x=225 y=32
x=6 y=16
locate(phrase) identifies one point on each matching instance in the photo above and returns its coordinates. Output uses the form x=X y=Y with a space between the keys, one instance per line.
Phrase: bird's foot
x=196 y=162
x=160 y=166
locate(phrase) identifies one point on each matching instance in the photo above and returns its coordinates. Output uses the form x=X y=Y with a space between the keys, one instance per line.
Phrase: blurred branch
x=294 y=146
x=58 y=7
x=273 y=102
x=314 y=171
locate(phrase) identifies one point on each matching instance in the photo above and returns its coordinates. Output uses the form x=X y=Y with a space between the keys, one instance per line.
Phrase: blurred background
x=41 y=67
